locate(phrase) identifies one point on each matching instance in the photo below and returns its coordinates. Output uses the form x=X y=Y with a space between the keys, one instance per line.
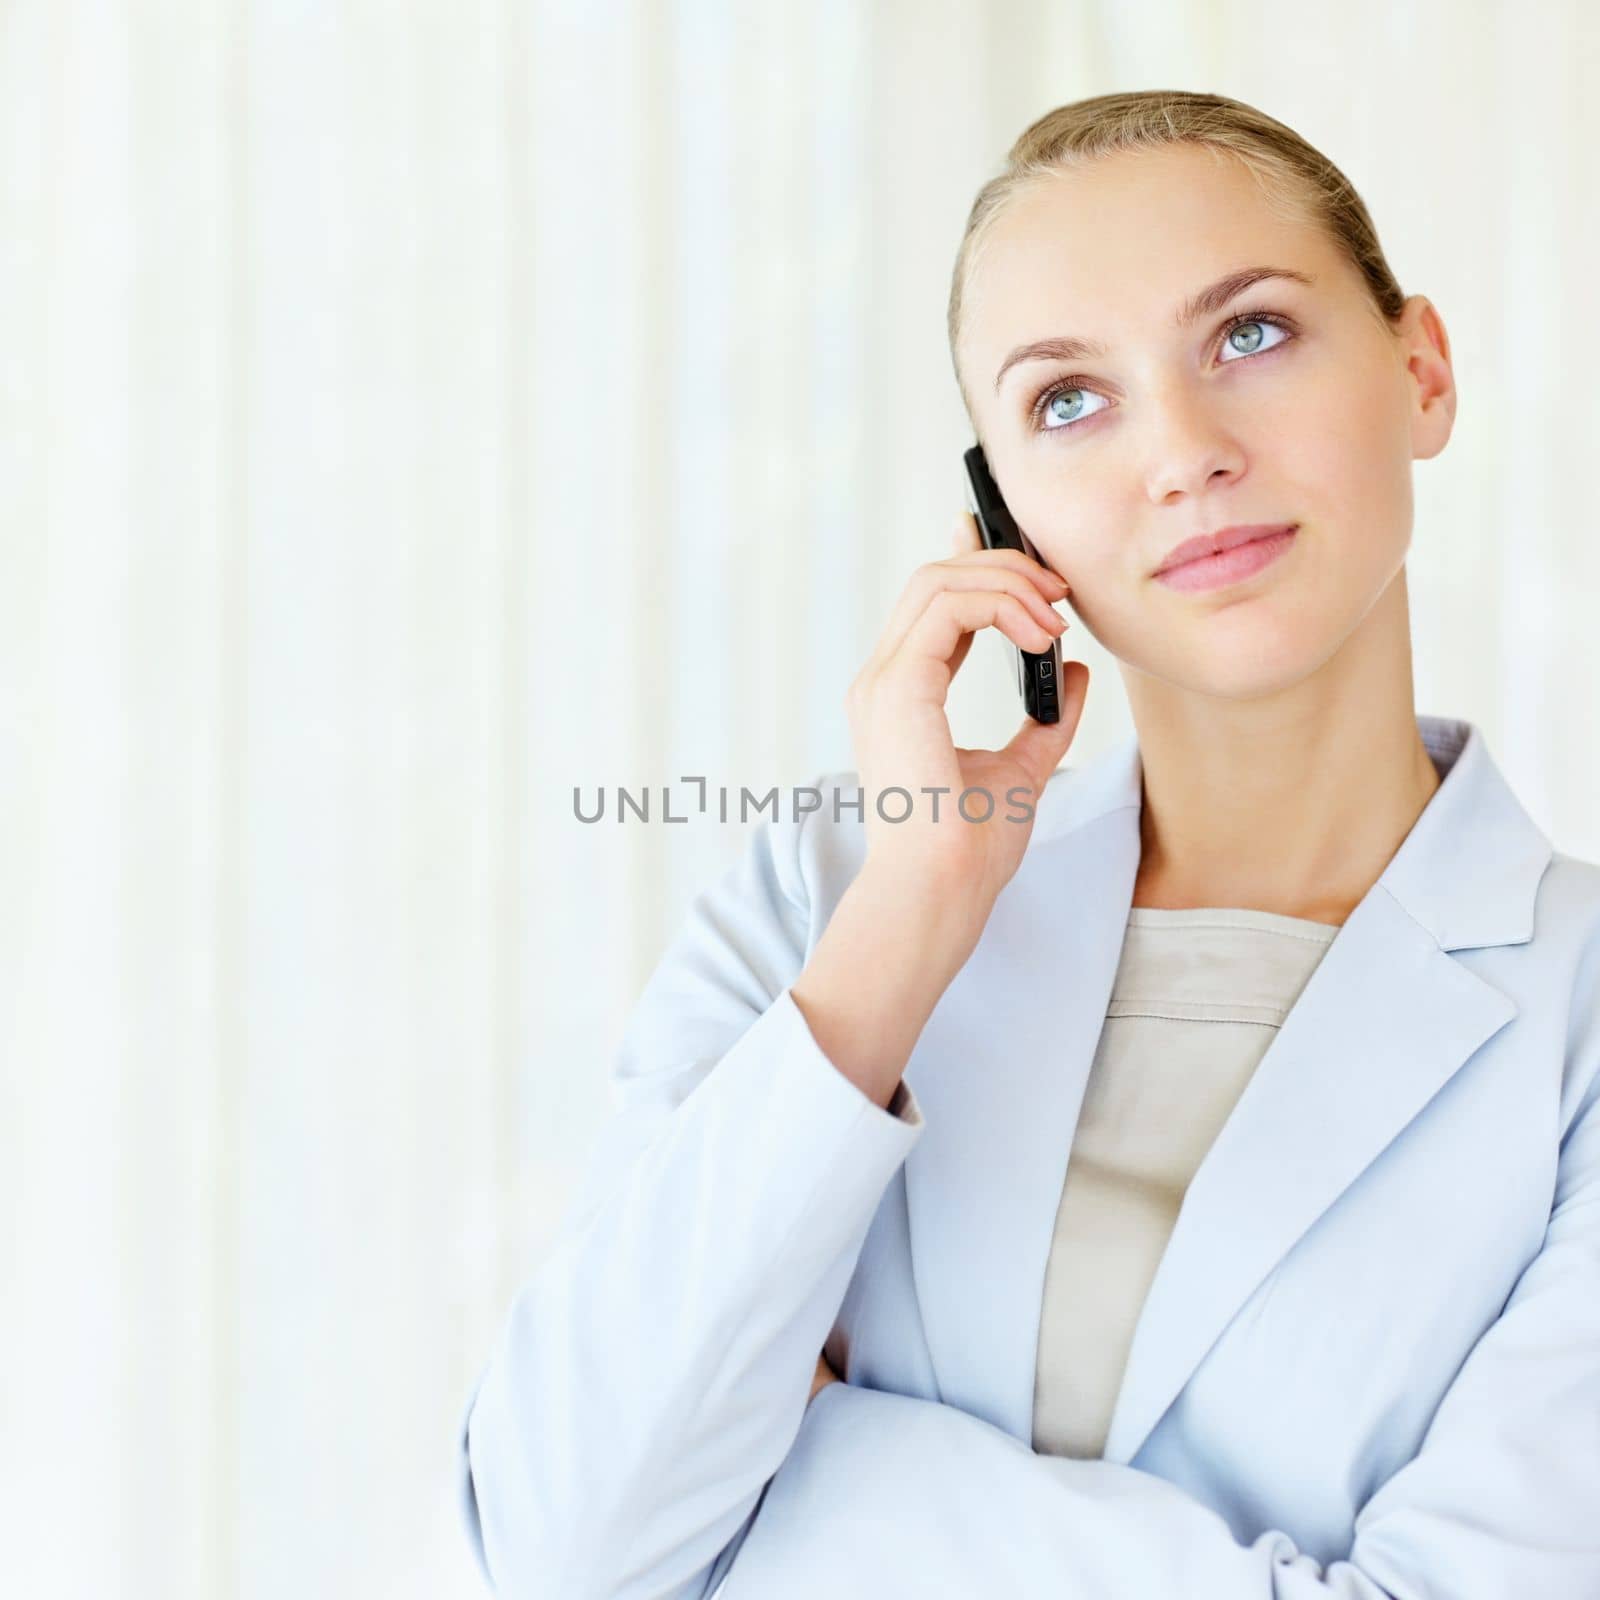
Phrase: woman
x=1196 y=1182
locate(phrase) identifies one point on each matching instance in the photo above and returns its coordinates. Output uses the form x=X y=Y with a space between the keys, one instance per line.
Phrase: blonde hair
x=1298 y=182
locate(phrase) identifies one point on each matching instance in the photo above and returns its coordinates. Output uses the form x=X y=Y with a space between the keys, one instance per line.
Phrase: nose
x=1189 y=446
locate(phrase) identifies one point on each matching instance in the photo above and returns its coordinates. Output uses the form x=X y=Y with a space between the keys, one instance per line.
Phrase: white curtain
x=409 y=412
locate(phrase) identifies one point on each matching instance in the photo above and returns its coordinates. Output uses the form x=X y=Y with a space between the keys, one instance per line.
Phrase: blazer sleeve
x=653 y=1370
x=888 y=1493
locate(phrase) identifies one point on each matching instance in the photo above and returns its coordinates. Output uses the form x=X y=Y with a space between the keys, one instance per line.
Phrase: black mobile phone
x=1038 y=671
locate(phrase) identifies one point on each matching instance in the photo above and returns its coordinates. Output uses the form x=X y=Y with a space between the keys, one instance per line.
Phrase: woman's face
x=1109 y=460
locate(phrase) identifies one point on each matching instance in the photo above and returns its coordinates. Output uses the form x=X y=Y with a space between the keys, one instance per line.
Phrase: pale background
x=408 y=412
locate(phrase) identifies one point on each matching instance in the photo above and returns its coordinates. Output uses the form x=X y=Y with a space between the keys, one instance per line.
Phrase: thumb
x=1037 y=747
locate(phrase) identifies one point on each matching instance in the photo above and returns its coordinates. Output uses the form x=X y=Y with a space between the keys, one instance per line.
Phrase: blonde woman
x=1193 y=1173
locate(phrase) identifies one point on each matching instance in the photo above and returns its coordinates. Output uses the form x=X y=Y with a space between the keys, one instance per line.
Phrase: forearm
x=881 y=965
x=888 y=1493
x=661 y=1346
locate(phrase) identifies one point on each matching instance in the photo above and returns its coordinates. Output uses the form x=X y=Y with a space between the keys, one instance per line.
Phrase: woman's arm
x=886 y=1493
x=651 y=1375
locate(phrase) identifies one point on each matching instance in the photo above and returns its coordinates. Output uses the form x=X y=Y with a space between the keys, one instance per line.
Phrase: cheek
x=1079 y=530
x=1360 y=496
x=1344 y=444
x=1087 y=537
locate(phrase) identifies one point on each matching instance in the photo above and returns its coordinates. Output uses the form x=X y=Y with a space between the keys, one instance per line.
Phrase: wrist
x=940 y=920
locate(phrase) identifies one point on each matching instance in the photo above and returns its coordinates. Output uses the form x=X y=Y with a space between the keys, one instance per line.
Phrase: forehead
x=1110 y=251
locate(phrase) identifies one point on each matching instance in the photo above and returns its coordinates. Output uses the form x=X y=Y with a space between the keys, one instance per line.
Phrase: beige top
x=1198 y=996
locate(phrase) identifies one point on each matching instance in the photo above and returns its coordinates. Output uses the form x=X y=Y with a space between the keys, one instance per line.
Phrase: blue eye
x=1250 y=324
x=1068 y=413
x=1243 y=335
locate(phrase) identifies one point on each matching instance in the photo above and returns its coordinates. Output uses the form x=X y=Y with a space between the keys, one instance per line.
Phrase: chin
x=1240 y=668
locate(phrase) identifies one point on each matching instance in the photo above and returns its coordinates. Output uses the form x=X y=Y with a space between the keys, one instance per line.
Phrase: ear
x=1425 y=351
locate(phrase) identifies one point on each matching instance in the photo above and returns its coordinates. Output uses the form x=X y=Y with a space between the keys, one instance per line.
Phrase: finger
x=940 y=577
x=967 y=540
x=964 y=535
x=955 y=613
x=953 y=666
x=1049 y=582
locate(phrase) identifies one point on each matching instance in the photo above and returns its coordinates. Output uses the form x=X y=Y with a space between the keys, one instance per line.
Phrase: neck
x=1292 y=803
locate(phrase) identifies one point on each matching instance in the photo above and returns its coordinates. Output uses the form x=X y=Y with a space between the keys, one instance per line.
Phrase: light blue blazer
x=1369 y=1363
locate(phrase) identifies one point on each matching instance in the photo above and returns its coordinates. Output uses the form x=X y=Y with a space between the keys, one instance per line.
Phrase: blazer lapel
x=1386 y=1018
x=999 y=1073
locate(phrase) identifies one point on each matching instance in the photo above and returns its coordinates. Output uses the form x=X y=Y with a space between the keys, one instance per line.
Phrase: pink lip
x=1228 y=557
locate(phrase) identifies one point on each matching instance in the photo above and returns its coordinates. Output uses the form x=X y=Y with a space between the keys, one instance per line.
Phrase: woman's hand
x=902 y=736
x=823 y=1377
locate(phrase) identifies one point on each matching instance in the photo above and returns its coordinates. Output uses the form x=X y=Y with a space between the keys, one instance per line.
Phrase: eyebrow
x=1210 y=299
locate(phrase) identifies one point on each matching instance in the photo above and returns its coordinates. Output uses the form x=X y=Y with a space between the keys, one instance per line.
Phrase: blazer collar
x=1000 y=1070
x=1474 y=815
